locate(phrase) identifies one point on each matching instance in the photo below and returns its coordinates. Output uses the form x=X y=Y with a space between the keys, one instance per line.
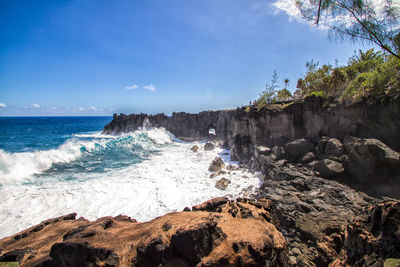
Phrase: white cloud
x=150 y=87
x=2 y=105
x=89 y=109
x=35 y=105
x=290 y=8
x=132 y=87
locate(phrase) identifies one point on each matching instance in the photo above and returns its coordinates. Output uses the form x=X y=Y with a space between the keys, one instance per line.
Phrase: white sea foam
x=169 y=180
x=15 y=167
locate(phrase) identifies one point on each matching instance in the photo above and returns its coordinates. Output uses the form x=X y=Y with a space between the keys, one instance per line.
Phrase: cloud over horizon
x=132 y=87
x=150 y=87
x=2 y=105
x=35 y=105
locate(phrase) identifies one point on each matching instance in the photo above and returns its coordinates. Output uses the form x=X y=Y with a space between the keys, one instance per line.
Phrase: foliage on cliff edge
x=367 y=74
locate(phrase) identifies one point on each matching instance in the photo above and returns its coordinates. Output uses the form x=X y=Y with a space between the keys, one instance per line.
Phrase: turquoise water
x=21 y=134
x=63 y=147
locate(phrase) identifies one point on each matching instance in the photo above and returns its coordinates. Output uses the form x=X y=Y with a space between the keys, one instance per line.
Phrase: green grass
x=391 y=262
x=9 y=264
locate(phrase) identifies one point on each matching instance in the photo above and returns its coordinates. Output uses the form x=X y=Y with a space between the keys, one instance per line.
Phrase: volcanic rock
x=308 y=157
x=299 y=147
x=333 y=147
x=226 y=233
x=329 y=168
x=277 y=152
x=222 y=183
x=373 y=236
x=370 y=156
x=216 y=165
x=209 y=146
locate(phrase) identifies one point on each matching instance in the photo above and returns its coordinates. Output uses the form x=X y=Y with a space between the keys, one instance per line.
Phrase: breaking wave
x=85 y=148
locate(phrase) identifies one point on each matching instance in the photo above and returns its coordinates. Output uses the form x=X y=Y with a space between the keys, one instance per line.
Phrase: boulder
x=370 y=156
x=277 y=152
x=329 y=168
x=298 y=147
x=308 y=157
x=209 y=146
x=262 y=150
x=216 y=165
x=333 y=147
x=320 y=147
x=194 y=148
x=222 y=183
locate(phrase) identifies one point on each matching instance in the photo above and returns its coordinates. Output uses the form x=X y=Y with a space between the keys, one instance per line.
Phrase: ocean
x=51 y=166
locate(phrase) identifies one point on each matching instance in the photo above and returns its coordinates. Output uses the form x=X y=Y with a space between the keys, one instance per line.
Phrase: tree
x=356 y=21
x=269 y=94
x=364 y=56
x=283 y=95
x=286 y=81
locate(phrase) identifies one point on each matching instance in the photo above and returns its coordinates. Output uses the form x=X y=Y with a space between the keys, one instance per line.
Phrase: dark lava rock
x=333 y=147
x=222 y=183
x=216 y=165
x=373 y=236
x=299 y=147
x=209 y=146
x=329 y=168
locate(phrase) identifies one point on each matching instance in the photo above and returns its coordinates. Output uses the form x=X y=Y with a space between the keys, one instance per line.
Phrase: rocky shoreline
x=331 y=180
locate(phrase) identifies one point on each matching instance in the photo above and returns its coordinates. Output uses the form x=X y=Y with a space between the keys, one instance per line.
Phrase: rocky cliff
x=246 y=128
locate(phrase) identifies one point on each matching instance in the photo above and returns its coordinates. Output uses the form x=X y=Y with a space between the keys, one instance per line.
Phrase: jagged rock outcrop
x=216 y=233
x=326 y=222
x=372 y=237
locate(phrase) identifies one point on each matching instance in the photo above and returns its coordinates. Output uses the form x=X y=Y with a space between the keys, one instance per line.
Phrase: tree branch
x=373 y=36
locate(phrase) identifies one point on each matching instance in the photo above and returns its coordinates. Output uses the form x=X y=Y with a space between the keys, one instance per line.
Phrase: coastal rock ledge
x=219 y=232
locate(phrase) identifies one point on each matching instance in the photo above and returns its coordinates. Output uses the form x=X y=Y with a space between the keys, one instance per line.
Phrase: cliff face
x=242 y=130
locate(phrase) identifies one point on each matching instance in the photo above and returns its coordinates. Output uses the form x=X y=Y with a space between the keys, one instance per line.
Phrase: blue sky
x=98 y=57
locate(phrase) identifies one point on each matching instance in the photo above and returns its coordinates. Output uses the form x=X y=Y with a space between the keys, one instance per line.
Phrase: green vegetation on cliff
x=367 y=74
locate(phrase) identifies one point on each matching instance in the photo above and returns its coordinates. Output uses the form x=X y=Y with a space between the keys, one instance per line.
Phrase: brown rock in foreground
x=217 y=233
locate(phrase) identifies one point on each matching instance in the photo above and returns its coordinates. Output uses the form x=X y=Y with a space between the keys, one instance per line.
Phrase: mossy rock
x=391 y=262
x=9 y=264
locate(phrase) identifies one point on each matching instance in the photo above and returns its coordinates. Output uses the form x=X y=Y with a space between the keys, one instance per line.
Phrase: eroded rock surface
x=372 y=237
x=216 y=233
x=216 y=165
